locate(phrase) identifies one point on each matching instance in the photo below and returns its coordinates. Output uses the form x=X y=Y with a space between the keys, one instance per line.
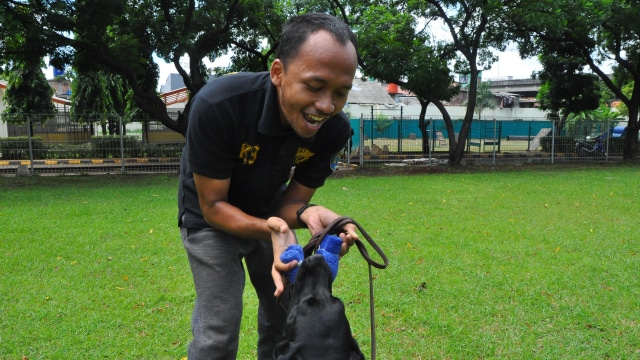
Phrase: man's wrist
x=299 y=214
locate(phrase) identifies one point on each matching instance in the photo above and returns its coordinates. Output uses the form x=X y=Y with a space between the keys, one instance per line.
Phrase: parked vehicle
x=591 y=148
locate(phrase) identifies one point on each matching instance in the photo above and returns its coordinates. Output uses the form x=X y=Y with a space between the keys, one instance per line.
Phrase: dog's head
x=317 y=326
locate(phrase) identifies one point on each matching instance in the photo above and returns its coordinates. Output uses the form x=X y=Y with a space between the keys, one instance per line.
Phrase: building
x=173 y=82
x=514 y=99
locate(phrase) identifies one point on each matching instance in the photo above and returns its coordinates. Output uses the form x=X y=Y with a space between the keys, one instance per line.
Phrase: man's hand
x=281 y=237
x=318 y=217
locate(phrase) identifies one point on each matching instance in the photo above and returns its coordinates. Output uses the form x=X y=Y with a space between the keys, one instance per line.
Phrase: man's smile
x=314 y=120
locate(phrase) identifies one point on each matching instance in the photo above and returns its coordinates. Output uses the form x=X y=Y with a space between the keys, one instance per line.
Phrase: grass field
x=520 y=264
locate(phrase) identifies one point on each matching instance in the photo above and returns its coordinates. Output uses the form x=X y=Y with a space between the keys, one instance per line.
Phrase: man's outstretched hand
x=281 y=237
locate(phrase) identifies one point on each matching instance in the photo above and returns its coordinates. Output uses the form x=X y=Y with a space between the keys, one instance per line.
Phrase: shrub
x=563 y=144
x=108 y=146
x=82 y=151
x=616 y=146
x=17 y=148
x=162 y=150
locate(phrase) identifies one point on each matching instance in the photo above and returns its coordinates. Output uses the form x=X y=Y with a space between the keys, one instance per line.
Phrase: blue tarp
x=616 y=132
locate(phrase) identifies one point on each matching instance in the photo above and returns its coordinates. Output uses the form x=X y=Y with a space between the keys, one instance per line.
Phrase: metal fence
x=61 y=146
x=64 y=147
x=394 y=140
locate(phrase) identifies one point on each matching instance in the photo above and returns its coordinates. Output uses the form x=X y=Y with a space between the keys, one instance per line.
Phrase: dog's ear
x=356 y=354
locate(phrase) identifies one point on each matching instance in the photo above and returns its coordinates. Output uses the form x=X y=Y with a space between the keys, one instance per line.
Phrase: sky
x=508 y=65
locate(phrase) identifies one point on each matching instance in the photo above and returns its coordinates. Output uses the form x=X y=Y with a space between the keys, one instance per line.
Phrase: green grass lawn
x=533 y=263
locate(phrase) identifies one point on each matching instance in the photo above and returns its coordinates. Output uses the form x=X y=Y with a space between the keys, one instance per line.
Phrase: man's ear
x=277 y=70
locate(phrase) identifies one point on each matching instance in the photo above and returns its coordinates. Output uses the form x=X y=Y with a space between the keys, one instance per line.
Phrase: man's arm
x=295 y=197
x=220 y=214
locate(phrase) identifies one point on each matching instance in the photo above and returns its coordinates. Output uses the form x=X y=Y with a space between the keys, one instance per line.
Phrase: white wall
x=456 y=112
x=4 y=132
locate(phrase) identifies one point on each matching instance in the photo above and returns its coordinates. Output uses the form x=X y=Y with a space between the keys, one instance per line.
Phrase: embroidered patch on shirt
x=249 y=153
x=302 y=155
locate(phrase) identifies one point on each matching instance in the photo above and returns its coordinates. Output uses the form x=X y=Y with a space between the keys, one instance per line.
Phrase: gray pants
x=219 y=277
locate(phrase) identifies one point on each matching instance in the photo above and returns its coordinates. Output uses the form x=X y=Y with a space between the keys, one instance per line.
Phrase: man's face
x=316 y=83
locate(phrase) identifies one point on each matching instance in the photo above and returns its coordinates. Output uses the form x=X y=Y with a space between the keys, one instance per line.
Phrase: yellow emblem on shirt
x=249 y=153
x=302 y=155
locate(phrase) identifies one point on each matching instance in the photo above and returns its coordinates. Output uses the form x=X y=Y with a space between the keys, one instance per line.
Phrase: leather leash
x=335 y=228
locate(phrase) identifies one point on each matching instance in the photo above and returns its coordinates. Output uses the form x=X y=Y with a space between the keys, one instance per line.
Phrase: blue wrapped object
x=293 y=252
x=330 y=249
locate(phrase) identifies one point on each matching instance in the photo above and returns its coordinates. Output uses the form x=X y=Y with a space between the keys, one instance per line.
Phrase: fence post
x=529 y=136
x=372 y=125
x=361 y=145
x=30 y=133
x=553 y=141
x=609 y=134
x=429 y=135
x=400 y=132
x=122 y=170
x=494 y=141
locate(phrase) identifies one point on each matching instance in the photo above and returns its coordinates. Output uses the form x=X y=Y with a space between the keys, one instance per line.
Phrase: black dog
x=317 y=327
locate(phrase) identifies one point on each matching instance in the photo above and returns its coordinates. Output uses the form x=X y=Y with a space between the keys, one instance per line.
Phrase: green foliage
x=28 y=93
x=382 y=124
x=109 y=146
x=569 y=93
x=573 y=35
x=626 y=90
x=17 y=148
x=485 y=98
x=98 y=93
x=125 y=38
x=396 y=51
x=560 y=144
x=80 y=151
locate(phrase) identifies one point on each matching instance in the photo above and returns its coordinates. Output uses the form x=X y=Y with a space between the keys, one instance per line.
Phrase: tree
x=98 y=96
x=566 y=94
x=21 y=53
x=394 y=50
x=595 y=32
x=28 y=94
x=124 y=37
x=484 y=98
x=475 y=29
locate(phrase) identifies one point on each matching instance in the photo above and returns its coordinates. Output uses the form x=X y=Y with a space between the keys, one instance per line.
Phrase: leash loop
x=335 y=228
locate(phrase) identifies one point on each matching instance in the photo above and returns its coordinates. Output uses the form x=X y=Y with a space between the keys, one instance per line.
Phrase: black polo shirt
x=235 y=132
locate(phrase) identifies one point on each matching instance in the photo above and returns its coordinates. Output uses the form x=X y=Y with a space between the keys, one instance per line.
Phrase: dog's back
x=317 y=327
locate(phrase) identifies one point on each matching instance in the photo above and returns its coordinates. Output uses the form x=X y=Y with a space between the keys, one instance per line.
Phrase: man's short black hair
x=297 y=30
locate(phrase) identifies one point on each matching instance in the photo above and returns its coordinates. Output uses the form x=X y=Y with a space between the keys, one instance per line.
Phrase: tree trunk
x=457 y=153
x=423 y=125
x=630 y=147
x=453 y=161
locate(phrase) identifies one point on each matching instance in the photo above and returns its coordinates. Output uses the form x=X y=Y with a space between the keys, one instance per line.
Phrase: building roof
x=172 y=97
x=369 y=93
